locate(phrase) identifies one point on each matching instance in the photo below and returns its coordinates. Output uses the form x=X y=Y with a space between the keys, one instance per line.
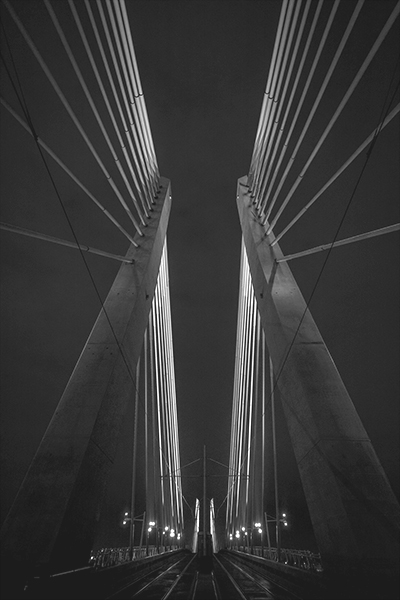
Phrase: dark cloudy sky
x=203 y=67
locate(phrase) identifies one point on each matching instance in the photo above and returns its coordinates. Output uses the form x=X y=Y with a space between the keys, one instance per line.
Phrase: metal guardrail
x=109 y=557
x=302 y=559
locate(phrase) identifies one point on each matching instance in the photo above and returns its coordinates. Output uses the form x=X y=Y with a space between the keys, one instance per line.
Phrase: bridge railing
x=109 y=557
x=302 y=559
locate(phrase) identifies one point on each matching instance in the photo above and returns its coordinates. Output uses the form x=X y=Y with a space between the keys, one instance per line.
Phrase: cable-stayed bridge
x=128 y=358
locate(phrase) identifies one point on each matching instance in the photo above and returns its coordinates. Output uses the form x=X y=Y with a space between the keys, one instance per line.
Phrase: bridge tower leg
x=355 y=514
x=52 y=523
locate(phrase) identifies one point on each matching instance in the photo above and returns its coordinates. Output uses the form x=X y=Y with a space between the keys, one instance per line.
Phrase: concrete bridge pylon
x=354 y=512
x=52 y=522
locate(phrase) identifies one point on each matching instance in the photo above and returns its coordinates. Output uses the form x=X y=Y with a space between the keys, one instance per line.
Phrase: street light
x=149 y=530
x=278 y=522
x=131 y=520
x=258 y=527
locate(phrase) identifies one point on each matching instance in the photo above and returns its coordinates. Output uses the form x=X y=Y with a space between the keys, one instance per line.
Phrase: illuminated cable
x=324 y=85
x=305 y=90
x=264 y=109
x=362 y=147
x=136 y=70
x=271 y=101
x=109 y=109
x=276 y=85
x=133 y=91
x=172 y=381
x=67 y=170
x=169 y=384
x=250 y=391
x=299 y=70
x=339 y=109
x=131 y=119
x=157 y=477
x=71 y=113
x=89 y=98
x=132 y=110
x=232 y=458
x=157 y=395
x=240 y=404
x=144 y=189
x=243 y=399
x=146 y=426
x=273 y=141
x=54 y=240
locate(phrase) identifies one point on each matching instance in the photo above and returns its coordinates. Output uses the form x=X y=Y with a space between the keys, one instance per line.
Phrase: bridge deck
x=181 y=575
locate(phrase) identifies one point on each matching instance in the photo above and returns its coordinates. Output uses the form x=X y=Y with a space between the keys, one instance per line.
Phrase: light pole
x=171 y=538
x=165 y=533
x=257 y=527
x=131 y=521
x=243 y=538
x=277 y=521
x=159 y=539
x=149 y=530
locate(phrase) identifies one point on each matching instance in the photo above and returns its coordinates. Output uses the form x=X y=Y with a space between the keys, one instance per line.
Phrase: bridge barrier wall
x=322 y=585
x=291 y=572
x=302 y=559
x=109 y=557
x=90 y=583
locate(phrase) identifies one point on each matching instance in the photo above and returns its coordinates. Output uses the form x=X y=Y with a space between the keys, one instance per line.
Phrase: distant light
x=260 y=530
x=152 y=523
x=126 y=514
x=285 y=524
x=149 y=529
x=166 y=528
x=245 y=533
x=179 y=536
x=172 y=534
x=124 y=522
x=230 y=536
x=283 y=514
x=257 y=524
x=243 y=528
x=237 y=534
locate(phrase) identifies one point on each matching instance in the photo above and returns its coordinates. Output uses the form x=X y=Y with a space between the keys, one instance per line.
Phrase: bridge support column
x=354 y=513
x=53 y=520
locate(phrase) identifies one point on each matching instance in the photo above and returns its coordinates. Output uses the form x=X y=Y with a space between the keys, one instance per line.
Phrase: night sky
x=203 y=67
